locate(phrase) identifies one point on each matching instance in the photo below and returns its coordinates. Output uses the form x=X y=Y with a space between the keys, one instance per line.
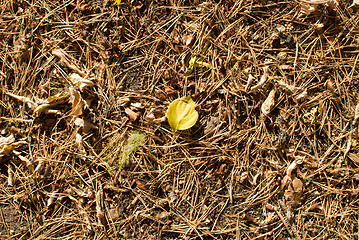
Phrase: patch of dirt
x=14 y=223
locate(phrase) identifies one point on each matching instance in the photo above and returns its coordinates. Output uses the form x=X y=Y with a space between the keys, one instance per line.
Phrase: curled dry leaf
x=131 y=114
x=160 y=120
x=40 y=165
x=87 y=126
x=285 y=85
x=77 y=102
x=262 y=81
x=52 y=197
x=80 y=82
x=310 y=6
x=48 y=104
x=291 y=168
x=285 y=182
x=315 y=207
x=150 y=117
x=294 y=192
x=80 y=145
x=355 y=3
x=297 y=185
x=268 y=104
x=249 y=82
x=8 y=144
x=303 y=95
x=306 y=8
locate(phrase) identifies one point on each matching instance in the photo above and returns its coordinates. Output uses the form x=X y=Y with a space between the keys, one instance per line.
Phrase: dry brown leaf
x=64 y=59
x=310 y=6
x=77 y=102
x=291 y=167
x=297 y=185
x=80 y=145
x=306 y=8
x=355 y=3
x=249 y=82
x=87 y=126
x=268 y=104
x=131 y=114
x=303 y=95
x=315 y=207
x=285 y=181
x=80 y=82
x=31 y=104
x=294 y=192
x=160 y=120
x=187 y=39
x=263 y=79
x=40 y=166
x=8 y=144
x=287 y=86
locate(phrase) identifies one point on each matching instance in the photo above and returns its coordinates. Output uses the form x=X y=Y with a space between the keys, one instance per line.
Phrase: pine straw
x=219 y=180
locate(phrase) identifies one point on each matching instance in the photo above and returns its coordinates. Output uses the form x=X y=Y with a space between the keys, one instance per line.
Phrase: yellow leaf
x=117 y=2
x=181 y=114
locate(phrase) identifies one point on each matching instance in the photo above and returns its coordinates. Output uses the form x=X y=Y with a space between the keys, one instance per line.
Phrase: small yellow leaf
x=117 y=2
x=181 y=114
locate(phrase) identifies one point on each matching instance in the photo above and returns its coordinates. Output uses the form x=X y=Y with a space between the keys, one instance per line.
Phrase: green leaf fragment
x=135 y=140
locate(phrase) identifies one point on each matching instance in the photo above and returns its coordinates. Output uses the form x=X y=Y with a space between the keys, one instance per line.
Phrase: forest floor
x=86 y=151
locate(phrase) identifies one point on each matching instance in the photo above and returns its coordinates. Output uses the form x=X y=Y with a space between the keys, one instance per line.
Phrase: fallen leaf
x=163 y=215
x=303 y=95
x=77 y=102
x=268 y=104
x=182 y=114
x=87 y=126
x=355 y=2
x=131 y=114
x=140 y=184
x=8 y=144
x=315 y=207
x=285 y=182
x=80 y=145
x=250 y=219
x=80 y=82
x=306 y=8
x=262 y=81
x=297 y=185
x=285 y=85
x=291 y=167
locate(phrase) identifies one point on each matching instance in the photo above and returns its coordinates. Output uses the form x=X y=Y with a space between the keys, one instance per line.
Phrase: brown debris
x=274 y=153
